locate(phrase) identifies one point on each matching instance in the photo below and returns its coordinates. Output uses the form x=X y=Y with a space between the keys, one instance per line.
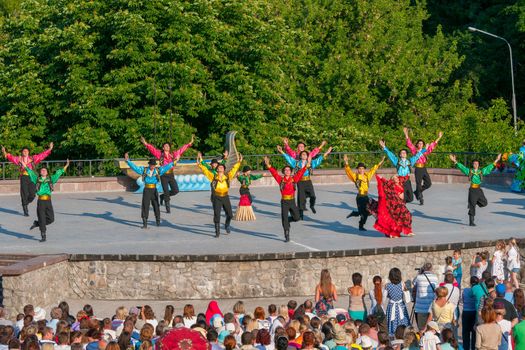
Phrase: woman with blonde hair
x=188 y=316
x=513 y=261
x=325 y=294
x=498 y=267
x=120 y=316
x=239 y=311
x=283 y=312
x=442 y=311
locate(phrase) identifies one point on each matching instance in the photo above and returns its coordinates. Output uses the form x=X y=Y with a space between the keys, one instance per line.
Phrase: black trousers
x=362 y=202
x=423 y=181
x=45 y=214
x=288 y=206
x=246 y=191
x=409 y=193
x=169 y=187
x=220 y=203
x=27 y=190
x=305 y=189
x=468 y=321
x=476 y=197
x=150 y=196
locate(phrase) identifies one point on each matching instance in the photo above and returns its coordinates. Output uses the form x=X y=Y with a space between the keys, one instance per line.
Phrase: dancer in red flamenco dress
x=393 y=217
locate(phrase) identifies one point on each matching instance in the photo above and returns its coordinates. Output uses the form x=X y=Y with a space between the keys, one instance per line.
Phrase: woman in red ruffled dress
x=393 y=217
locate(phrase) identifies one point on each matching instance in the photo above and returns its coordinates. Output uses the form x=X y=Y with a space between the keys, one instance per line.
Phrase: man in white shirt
x=424 y=286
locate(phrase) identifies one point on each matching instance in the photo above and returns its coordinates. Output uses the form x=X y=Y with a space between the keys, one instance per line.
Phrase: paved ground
x=110 y=223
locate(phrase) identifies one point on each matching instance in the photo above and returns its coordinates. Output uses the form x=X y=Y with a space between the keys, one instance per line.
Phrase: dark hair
x=292 y=304
x=475 y=160
x=308 y=304
x=474 y=280
x=88 y=309
x=401 y=150
x=77 y=346
x=124 y=340
x=64 y=306
x=247 y=338
x=168 y=313
x=281 y=343
x=372 y=321
x=272 y=308
x=212 y=335
x=357 y=278
x=148 y=312
x=166 y=143
x=395 y=275
x=263 y=337
x=25 y=147
x=400 y=332
x=328 y=331
x=229 y=342
x=448 y=260
x=220 y=164
x=301 y=154
x=63 y=338
x=420 y=140
x=13 y=343
x=447 y=335
x=383 y=338
x=449 y=278
x=485 y=275
x=308 y=338
x=301 y=143
x=315 y=322
x=490 y=283
x=286 y=166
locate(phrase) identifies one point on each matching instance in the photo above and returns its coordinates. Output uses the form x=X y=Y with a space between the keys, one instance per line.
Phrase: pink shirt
x=168 y=157
x=294 y=154
x=31 y=161
x=414 y=150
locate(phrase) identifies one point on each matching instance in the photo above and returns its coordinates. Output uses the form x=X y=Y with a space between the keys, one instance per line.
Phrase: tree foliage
x=93 y=76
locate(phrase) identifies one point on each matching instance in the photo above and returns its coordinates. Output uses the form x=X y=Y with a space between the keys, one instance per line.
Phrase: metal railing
x=108 y=167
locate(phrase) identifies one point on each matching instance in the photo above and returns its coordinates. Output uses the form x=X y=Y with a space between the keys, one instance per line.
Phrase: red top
x=295 y=154
x=168 y=156
x=414 y=150
x=31 y=161
x=287 y=182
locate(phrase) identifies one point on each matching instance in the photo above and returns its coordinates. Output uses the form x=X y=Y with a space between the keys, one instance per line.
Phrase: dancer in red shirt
x=288 y=186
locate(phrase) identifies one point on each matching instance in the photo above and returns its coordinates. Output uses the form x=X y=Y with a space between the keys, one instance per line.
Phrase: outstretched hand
x=440 y=135
x=177 y=158
x=382 y=160
x=267 y=161
x=382 y=143
x=328 y=151
x=192 y=139
x=239 y=157
x=67 y=164
x=285 y=141
x=4 y=152
x=453 y=158
x=143 y=140
x=345 y=158
x=51 y=145
x=309 y=161
x=126 y=156
x=405 y=131
x=199 y=157
x=498 y=158
x=225 y=154
x=322 y=144
x=280 y=149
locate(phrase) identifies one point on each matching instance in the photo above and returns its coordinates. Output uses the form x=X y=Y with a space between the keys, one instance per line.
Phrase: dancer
x=245 y=210
x=393 y=217
x=220 y=184
x=305 y=187
x=44 y=186
x=301 y=147
x=212 y=165
x=167 y=180
x=27 y=188
x=287 y=185
x=403 y=166
x=518 y=160
x=475 y=193
x=151 y=175
x=362 y=180
x=423 y=181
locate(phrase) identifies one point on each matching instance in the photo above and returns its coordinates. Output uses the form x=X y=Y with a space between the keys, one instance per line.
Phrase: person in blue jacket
x=305 y=187
x=151 y=177
x=404 y=167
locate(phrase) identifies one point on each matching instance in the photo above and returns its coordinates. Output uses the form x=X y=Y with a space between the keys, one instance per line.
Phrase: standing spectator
x=480 y=290
x=4 y=319
x=510 y=311
x=120 y=316
x=272 y=313
x=513 y=261
x=56 y=315
x=148 y=316
x=430 y=340
x=505 y=325
x=498 y=267
x=239 y=311
x=480 y=263
x=490 y=294
x=468 y=317
x=488 y=334
x=457 y=261
x=325 y=294
x=519 y=302
x=169 y=313
x=396 y=311
x=424 y=286
x=442 y=311
x=260 y=317
x=188 y=316
x=356 y=304
x=518 y=334
x=64 y=306
x=453 y=292
x=308 y=340
x=230 y=343
x=377 y=298
x=448 y=342
x=263 y=340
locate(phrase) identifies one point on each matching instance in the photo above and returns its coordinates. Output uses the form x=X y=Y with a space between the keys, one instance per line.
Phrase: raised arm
x=254 y=177
x=32 y=175
x=37 y=158
x=288 y=149
x=180 y=151
x=59 y=172
x=272 y=170
x=391 y=156
x=163 y=169
x=233 y=171
x=372 y=171
x=138 y=169
x=151 y=149
x=316 y=150
x=410 y=145
x=349 y=173
x=290 y=160
x=317 y=162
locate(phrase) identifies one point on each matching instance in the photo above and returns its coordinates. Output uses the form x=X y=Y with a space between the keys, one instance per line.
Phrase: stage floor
x=109 y=223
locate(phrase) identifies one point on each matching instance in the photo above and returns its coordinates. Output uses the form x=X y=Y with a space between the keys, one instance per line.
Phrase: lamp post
x=472 y=29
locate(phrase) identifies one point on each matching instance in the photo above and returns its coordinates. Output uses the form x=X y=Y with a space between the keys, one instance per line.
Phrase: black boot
x=162 y=199
x=217 y=230
x=313 y=209
x=35 y=225
x=362 y=227
x=157 y=221
x=43 y=234
x=354 y=213
x=471 y=220
x=416 y=194
x=144 y=223
x=301 y=214
x=421 y=201
x=227 y=226
x=287 y=235
x=26 y=211
x=168 y=207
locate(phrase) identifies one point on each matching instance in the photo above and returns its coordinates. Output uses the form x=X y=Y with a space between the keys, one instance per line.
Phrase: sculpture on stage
x=518 y=160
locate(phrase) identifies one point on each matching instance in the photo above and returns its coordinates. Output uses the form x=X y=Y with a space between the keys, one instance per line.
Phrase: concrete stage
x=109 y=223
